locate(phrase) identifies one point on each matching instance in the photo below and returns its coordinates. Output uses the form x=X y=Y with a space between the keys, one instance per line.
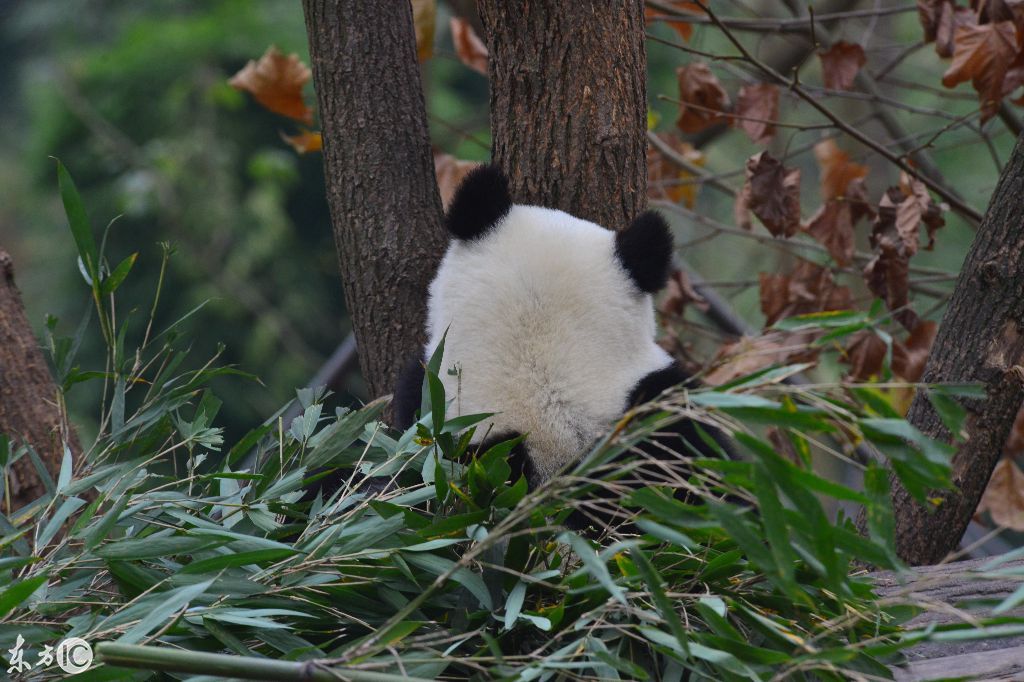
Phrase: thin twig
x=969 y=213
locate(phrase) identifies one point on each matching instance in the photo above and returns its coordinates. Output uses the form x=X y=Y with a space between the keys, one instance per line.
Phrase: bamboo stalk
x=240 y=667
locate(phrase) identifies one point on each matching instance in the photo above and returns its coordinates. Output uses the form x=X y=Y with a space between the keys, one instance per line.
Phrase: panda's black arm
x=408 y=392
x=660 y=380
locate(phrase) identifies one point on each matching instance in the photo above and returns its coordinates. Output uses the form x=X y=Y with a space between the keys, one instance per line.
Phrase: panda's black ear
x=645 y=251
x=481 y=200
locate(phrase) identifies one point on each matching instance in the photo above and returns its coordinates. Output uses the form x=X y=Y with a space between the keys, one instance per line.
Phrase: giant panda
x=548 y=322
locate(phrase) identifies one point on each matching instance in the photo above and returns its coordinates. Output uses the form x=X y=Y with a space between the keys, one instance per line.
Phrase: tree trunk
x=30 y=407
x=981 y=339
x=379 y=169
x=569 y=104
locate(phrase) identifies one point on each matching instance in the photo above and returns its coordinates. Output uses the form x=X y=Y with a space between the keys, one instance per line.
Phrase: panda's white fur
x=546 y=328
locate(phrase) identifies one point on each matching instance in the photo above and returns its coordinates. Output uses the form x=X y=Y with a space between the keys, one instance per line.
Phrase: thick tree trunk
x=381 y=189
x=981 y=339
x=30 y=409
x=569 y=105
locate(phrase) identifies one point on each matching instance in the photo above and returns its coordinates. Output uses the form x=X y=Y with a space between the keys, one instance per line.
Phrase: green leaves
x=78 y=221
x=728 y=569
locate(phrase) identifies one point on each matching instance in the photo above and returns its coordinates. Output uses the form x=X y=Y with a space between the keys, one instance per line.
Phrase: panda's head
x=547 y=318
x=483 y=201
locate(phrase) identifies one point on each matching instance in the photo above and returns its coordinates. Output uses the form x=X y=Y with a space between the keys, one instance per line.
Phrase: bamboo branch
x=239 y=667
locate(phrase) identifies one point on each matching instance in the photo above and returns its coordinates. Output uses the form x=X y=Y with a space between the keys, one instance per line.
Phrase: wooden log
x=958 y=592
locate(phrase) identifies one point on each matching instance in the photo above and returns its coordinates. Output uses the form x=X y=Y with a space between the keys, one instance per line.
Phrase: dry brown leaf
x=887 y=277
x=833 y=224
x=450 y=172
x=887 y=274
x=305 y=142
x=668 y=180
x=840 y=64
x=837 y=171
x=772 y=193
x=753 y=353
x=994 y=11
x=680 y=26
x=983 y=55
x=424 y=21
x=680 y=293
x=276 y=82
x=701 y=98
x=918 y=208
x=929 y=12
x=468 y=46
x=809 y=288
x=1015 y=75
x=865 y=354
x=1004 y=496
x=757 y=109
x=910 y=355
x=951 y=18
x=894 y=239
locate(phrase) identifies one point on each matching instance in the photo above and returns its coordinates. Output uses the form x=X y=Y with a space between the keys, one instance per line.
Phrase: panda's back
x=545 y=328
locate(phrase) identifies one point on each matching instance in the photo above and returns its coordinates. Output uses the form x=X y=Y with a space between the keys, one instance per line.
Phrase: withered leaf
x=753 y=353
x=468 y=46
x=450 y=172
x=1015 y=74
x=917 y=207
x=772 y=193
x=424 y=21
x=702 y=98
x=668 y=180
x=680 y=293
x=865 y=354
x=840 y=64
x=276 y=81
x=809 y=288
x=837 y=171
x=757 y=109
x=994 y=11
x=680 y=26
x=910 y=355
x=928 y=12
x=951 y=17
x=983 y=54
x=894 y=238
x=887 y=274
x=1003 y=498
x=887 y=277
x=833 y=224
x=305 y=141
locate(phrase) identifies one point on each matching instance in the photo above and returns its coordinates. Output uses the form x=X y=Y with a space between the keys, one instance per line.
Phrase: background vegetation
x=138 y=102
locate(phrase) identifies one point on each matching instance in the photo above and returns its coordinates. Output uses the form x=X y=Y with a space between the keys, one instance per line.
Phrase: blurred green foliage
x=134 y=100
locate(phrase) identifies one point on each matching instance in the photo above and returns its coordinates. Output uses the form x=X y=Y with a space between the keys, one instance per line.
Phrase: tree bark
x=981 y=339
x=30 y=407
x=569 y=104
x=381 y=189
